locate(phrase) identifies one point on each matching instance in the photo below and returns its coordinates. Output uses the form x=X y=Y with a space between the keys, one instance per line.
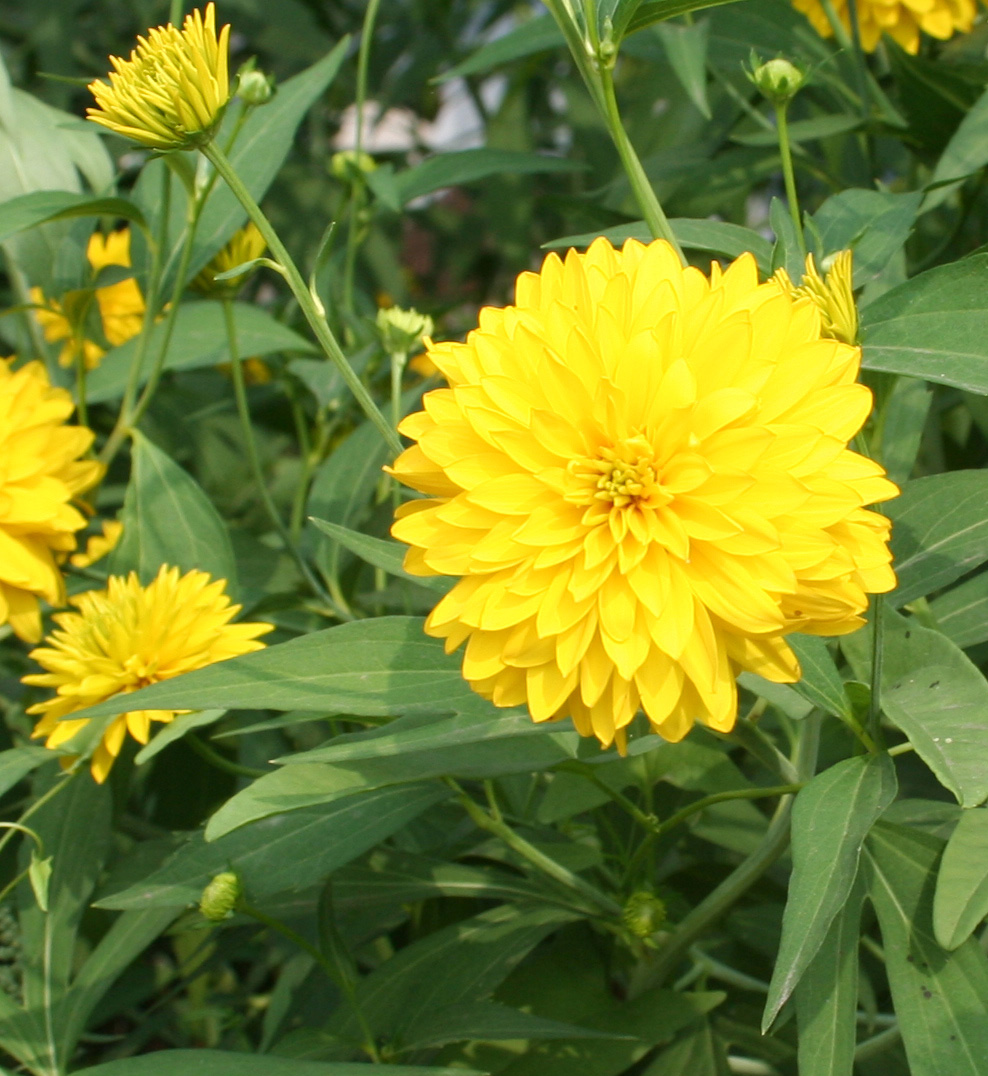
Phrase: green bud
x=778 y=79
x=255 y=87
x=220 y=898
x=402 y=330
x=347 y=162
x=644 y=913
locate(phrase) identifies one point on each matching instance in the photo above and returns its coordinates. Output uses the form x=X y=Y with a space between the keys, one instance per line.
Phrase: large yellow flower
x=126 y=637
x=40 y=474
x=642 y=477
x=900 y=19
x=121 y=305
x=172 y=91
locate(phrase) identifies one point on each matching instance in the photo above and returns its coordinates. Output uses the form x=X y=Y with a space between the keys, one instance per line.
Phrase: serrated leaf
x=939 y=997
x=960 y=902
x=831 y=817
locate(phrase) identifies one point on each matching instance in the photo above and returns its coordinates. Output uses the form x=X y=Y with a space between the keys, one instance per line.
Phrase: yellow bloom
x=244 y=245
x=900 y=19
x=40 y=474
x=126 y=637
x=641 y=476
x=121 y=305
x=833 y=295
x=172 y=91
x=98 y=545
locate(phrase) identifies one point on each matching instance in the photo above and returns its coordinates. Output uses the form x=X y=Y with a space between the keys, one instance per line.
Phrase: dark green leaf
x=902 y=433
x=686 y=47
x=820 y=683
x=697 y=1052
x=175 y=730
x=224 y=1063
x=939 y=997
x=536 y=35
x=802 y=130
x=961 y=899
x=18 y=762
x=830 y=820
x=35 y=208
x=659 y=10
x=965 y=153
x=387 y=555
x=962 y=613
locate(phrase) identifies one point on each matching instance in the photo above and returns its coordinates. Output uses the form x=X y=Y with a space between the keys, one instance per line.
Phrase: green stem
x=57 y=787
x=254 y=459
x=214 y=758
x=785 y=152
x=342 y=981
x=877 y=1044
x=585 y=770
x=175 y=9
x=877 y=654
x=313 y=314
x=644 y=193
x=539 y=860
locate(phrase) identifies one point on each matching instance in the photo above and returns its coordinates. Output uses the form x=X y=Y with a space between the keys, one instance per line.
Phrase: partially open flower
x=172 y=91
x=833 y=295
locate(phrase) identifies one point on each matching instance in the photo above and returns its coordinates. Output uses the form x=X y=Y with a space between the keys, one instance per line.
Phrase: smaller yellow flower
x=98 y=545
x=833 y=295
x=172 y=91
x=121 y=305
x=244 y=246
x=126 y=637
x=900 y=19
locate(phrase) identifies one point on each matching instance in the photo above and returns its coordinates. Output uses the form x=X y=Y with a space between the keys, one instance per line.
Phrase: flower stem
x=785 y=152
x=313 y=314
x=214 y=758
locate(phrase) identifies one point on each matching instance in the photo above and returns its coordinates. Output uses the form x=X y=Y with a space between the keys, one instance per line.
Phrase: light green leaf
x=827 y=996
x=962 y=613
x=939 y=997
x=199 y=339
x=17 y=762
x=686 y=47
x=820 y=683
x=39 y=874
x=38 y=207
x=281 y=853
x=960 y=902
x=534 y=35
x=225 y=1063
x=830 y=820
x=387 y=555
x=167 y=519
x=965 y=153
x=939 y=531
x=658 y=10
x=933 y=326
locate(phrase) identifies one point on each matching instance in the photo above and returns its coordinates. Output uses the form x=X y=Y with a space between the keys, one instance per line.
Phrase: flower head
x=833 y=295
x=403 y=330
x=172 y=91
x=121 y=305
x=641 y=476
x=900 y=19
x=126 y=637
x=41 y=472
x=245 y=245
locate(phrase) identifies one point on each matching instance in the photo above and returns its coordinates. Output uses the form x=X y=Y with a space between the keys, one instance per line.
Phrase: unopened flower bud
x=778 y=79
x=220 y=898
x=402 y=330
x=255 y=87
x=344 y=164
x=644 y=913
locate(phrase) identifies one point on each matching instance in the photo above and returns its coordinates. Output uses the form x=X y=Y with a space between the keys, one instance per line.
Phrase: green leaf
x=830 y=820
x=902 y=432
x=801 y=130
x=225 y=1063
x=660 y=10
x=962 y=613
x=960 y=902
x=17 y=762
x=697 y=1052
x=965 y=153
x=39 y=874
x=827 y=996
x=686 y=47
x=380 y=667
x=199 y=339
x=470 y=165
x=167 y=519
x=714 y=236
x=536 y=35
x=932 y=326
x=281 y=853
x=820 y=683
x=38 y=207
x=939 y=997
x=387 y=555
x=875 y=224
x=939 y=531
x=175 y=730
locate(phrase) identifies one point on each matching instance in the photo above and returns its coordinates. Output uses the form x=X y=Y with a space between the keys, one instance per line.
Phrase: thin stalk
x=214 y=758
x=877 y=654
x=877 y=1044
x=37 y=805
x=342 y=981
x=254 y=459
x=644 y=193
x=585 y=770
x=785 y=152
x=313 y=314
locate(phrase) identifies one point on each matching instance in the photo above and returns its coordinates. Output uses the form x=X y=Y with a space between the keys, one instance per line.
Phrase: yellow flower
x=126 y=637
x=40 y=474
x=121 y=305
x=172 y=91
x=900 y=19
x=641 y=475
x=833 y=296
x=244 y=245
x=98 y=545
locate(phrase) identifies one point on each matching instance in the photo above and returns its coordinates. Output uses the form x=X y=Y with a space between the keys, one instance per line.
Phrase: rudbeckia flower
x=641 y=476
x=172 y=91
x=40 y=474
x=902 y=20
x=128 y=636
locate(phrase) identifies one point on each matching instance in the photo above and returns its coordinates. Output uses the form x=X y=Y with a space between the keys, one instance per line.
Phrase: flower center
x=622 y=476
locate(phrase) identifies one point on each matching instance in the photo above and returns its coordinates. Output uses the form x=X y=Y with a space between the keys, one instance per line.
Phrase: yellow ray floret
x=245 y=245
x=902 y=20
x=641 y=476
x=126 y=637
x=41 y=473
x=833 y=295
x=172 y=91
